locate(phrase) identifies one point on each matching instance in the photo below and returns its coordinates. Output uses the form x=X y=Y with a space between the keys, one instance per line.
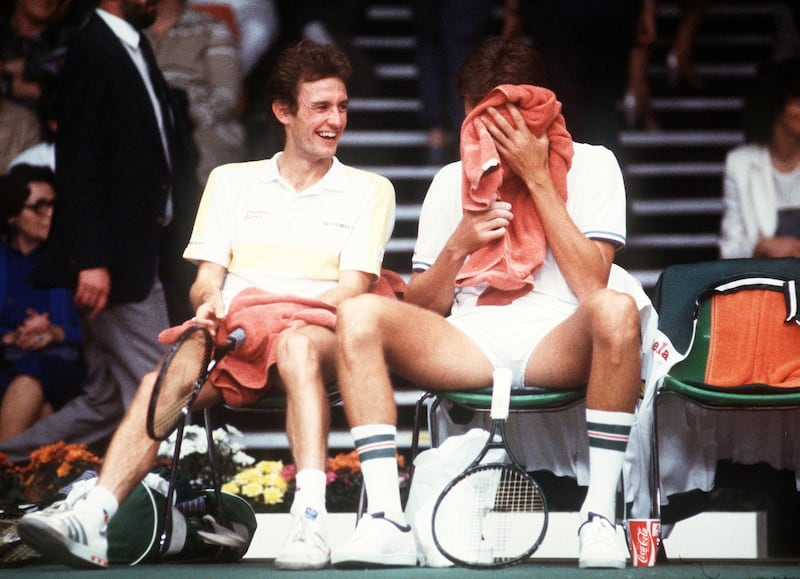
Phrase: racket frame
x=499 y=412
x=163 y=371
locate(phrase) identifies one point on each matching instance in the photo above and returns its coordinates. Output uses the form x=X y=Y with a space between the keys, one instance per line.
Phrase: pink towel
x=242 y=375
x=507 y=264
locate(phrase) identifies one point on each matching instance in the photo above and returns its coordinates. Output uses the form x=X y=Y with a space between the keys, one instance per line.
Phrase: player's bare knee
x=615 y=317
x=295 y=348
x=357 y=319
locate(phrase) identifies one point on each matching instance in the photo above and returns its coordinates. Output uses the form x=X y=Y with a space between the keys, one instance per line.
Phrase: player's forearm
x=351 y=283
x=207 y=285
x=583 y=263
x=432 y=289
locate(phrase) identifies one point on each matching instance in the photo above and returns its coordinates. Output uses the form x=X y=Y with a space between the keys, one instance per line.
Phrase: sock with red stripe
x=377 y=450
x=608 y=438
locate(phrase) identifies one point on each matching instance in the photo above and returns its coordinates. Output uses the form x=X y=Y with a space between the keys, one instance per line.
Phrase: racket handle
x=501 y=393
x=235 y=339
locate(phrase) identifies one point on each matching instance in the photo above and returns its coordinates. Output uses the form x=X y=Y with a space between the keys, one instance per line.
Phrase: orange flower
x=345 y=461
x=52 y=466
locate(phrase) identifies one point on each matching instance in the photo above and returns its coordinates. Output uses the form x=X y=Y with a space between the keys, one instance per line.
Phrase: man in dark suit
x=122 y=214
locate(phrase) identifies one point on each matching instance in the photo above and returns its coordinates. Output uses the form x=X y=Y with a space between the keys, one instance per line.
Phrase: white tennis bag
x=433 y=471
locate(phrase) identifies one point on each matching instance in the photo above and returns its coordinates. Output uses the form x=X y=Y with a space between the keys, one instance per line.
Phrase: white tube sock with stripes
x=377 y=450
x=608 y=438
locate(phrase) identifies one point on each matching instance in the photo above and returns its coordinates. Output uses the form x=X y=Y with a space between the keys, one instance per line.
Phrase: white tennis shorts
x=507 y=335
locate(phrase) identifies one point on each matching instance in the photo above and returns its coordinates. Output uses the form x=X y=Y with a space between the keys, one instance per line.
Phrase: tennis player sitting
x=301 y=224
x=515 y=247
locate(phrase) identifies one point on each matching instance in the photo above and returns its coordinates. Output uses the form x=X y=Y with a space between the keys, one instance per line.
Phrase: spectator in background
x=42 y=365
x=447 y=31
x=681 y=73
x=761 y=192
x=19 y=129
x=257 y=28
x=32 y=48
x=43 y=153
x=197 y=54
x=636 y=105
x=122 y=216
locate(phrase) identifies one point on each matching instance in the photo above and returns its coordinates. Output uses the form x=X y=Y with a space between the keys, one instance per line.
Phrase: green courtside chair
x=523 y=400
x=687 y=298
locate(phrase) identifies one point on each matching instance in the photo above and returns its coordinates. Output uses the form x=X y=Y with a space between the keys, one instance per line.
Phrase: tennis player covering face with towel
x=285 y=238
x=511 y=269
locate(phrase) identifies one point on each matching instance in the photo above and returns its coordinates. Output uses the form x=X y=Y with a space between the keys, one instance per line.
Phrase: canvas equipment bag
x=134 y=533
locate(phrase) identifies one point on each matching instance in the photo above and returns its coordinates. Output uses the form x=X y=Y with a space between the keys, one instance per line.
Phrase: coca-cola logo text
x=643 y=543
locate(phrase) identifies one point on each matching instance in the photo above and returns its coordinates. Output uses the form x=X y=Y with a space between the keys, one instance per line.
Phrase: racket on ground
x=184 y=370
x=493 y=514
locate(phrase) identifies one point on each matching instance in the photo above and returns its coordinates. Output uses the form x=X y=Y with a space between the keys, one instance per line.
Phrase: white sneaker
x=378 y=540
x=598 y=545
x=61 y=533
x=306 y=546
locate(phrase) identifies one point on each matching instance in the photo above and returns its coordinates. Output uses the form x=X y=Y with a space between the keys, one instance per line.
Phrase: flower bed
x=267 y=484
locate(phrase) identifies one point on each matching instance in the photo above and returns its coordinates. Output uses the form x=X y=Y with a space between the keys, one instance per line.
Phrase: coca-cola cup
x=644 y=536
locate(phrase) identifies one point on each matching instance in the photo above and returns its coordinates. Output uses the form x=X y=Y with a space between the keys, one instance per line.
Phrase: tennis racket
x=184 y=370
x=493 y=514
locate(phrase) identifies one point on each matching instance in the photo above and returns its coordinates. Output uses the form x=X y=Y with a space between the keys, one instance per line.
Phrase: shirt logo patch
x=254 y=215
x=336 y=224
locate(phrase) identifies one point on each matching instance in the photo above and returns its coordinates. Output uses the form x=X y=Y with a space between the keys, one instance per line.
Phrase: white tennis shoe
x=598 y=545
x=378 y=541
x=62 y=532
x=306 y=546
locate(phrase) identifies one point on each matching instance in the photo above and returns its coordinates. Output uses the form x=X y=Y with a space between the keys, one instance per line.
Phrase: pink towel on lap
x=242 y=375
x=507 y=264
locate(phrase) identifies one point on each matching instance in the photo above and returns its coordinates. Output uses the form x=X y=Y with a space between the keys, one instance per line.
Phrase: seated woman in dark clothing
x=41 y=366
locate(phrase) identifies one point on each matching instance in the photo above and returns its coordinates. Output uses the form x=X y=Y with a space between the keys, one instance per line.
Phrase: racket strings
x=179 y=377
x=515 y=494
x=492 y=517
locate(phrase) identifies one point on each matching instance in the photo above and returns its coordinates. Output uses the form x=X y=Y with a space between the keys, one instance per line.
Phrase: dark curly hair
x=306 y=61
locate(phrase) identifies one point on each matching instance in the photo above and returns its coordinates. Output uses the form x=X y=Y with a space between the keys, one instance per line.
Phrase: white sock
x=100 y=505
x=377 y=450
x=310 y=490
x=608 y=438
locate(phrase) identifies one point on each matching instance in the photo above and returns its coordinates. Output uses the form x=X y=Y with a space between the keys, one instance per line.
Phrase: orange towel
x=750 y=342
x=242 y=374
x=507 y=264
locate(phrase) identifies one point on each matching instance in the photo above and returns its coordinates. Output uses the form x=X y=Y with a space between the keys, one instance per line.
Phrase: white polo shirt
x=269 y=236
x=595 y=202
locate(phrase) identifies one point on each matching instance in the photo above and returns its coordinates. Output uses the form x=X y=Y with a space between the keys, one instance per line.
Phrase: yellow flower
x=231 y=487
x=275 y=480
x=252 y=489
x=269 y=466
x=248 y=475
x=272 y=496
